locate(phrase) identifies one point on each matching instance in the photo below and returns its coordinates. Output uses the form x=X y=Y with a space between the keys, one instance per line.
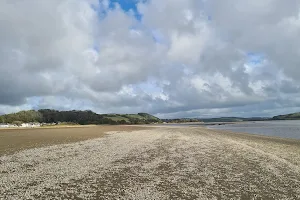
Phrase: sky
x=171 y=58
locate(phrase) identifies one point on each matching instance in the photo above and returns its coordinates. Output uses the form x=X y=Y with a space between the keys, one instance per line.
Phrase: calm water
x=285 y=129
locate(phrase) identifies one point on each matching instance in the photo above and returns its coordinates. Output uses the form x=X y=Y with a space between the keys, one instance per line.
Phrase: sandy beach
x=17 y=139
x=147 y=163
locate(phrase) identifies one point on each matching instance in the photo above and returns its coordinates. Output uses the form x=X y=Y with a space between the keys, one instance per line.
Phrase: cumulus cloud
x=178 y=58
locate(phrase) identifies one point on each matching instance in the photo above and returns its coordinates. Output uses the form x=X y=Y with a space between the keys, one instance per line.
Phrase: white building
x=24 y=125
x=30 y=125
x=4 y=125
x=7 y=126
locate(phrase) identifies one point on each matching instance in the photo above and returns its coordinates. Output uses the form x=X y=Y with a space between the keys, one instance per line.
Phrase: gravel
x=161 y=163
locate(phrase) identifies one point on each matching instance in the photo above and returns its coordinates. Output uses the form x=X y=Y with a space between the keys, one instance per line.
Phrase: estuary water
x=284 y=129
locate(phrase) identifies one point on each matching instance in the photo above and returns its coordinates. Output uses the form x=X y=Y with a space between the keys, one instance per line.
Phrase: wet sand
x=17 y=139
x=160 y=163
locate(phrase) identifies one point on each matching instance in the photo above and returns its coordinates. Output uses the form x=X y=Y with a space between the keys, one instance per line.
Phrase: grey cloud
x=267 y=27
x=67 y=55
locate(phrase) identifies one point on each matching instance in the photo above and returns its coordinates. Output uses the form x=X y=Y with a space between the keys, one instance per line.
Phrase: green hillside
x=78 y=117
x=292 y=116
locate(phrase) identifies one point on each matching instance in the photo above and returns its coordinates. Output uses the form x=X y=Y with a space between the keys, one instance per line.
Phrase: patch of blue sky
x=157 y=36
x=255 y=58
x=96 y=47
x=127 y=6
x=101 y=12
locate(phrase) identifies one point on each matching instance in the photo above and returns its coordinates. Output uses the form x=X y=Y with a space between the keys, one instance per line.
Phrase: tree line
x=77 y=117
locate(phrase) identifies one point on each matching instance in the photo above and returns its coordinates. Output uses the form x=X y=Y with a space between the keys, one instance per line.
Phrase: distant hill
x=223 y=119
x=181 y=120
x=292 y=116
x=140 y=118
x=217 y=119
x=234 y=119
x=90 y=117
x=77 y=117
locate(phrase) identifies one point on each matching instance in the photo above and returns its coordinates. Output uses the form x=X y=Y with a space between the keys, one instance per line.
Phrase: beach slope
x=159 y=163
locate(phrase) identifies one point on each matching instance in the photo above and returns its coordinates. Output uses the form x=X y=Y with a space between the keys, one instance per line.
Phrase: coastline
x=148 y=162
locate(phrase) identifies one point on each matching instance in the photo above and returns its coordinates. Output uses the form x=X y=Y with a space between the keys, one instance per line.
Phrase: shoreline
x=13 y=140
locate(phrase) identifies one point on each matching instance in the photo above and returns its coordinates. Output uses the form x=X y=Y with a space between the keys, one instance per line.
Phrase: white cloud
x=84 y=55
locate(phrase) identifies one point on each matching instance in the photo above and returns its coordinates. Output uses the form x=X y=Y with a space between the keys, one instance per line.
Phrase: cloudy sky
x=171 y=58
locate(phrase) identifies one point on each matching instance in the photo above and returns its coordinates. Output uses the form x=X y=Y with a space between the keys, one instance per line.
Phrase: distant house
x=30 y=125
x=23 y=125
x=4 y=125
x=36 y=124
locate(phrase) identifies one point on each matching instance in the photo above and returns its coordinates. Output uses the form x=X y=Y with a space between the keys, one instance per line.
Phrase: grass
x=129 y=118
x=118 y=118
x=134 y=116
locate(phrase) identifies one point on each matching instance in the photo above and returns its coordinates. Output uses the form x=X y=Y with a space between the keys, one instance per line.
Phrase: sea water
x=284 y=129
